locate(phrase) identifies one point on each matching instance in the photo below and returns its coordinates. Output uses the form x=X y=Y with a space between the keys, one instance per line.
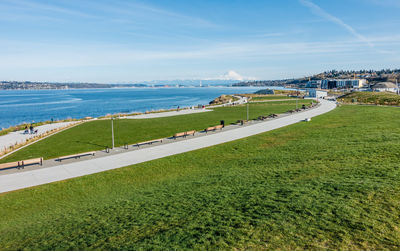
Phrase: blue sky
x=129 y=41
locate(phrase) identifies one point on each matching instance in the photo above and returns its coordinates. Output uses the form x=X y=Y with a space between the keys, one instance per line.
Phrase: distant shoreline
x=31 y=106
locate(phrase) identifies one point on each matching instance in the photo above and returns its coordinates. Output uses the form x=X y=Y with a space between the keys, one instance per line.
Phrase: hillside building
x=342 y=83
x=314 y=93
x=385 y=87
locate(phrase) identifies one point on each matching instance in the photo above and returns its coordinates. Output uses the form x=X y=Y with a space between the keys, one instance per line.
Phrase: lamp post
x=247 y=110
x=297 y=99
x=112 y=132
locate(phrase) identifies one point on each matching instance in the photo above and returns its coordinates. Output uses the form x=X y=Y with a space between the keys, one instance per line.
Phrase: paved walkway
x=15 y=181
x=19 y=137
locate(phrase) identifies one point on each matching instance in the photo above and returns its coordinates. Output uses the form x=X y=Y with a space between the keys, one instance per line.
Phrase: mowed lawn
x=332 y=183
x=271 y=97
x=96 y=135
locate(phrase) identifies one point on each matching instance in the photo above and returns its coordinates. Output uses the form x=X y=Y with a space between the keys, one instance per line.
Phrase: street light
x=247 y=110
x=112 y=132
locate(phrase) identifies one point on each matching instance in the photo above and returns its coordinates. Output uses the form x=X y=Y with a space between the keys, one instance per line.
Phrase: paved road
x=15 y=181
x=19 y=136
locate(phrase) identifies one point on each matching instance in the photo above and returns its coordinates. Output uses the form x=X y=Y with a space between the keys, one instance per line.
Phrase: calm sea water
x=19 y=106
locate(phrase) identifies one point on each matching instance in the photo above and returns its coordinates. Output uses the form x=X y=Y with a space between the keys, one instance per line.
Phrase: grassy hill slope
x=376 y=98
x=96 y=135
x=331 y=183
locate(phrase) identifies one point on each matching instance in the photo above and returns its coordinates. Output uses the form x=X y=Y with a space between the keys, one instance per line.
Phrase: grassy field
x=96 y=135
x=376 y=98
x=332 y=183
x=270 y=97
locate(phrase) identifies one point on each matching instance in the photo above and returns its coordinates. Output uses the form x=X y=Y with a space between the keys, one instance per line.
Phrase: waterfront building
x=314 y=93
x=314 y=84
x=342 y=83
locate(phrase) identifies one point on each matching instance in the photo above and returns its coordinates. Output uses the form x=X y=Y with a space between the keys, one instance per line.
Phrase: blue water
x=26 y=106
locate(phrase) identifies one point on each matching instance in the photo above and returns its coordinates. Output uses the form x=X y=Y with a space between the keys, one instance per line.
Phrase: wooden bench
x=213 y=128
x=27 y=162
x=149 y=142
x=75 y=156
x=184 y=134
x=21 y=163
x=190 y=133
x=209 y=129
x=179 y=134
x=9 y=165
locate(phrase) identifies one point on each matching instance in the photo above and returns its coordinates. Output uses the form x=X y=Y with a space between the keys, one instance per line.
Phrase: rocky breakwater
x=223 y=99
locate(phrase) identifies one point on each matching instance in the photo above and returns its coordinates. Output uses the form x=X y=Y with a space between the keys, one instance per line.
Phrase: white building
x=314 y=93
x=385 y=87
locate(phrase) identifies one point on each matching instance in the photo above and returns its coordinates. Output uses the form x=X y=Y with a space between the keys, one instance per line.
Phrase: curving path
x=19 y=137
x=15 y=181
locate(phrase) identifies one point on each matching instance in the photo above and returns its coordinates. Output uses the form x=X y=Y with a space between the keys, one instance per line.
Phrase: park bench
x=149 y=142
x=190 y=133
x=21 y=163
x=184 y=134
x=209 y=129
x=213 y=128
x=179 y=134
x=75 y=156
x=9 y=165
x=241 y=122
x=27 y=162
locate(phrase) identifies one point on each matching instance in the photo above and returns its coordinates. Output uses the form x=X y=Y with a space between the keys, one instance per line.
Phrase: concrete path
x=15 y=181
x=19 y=137
x=167 y=114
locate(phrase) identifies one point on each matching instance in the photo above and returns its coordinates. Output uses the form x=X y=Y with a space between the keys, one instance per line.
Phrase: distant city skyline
x=131 y=41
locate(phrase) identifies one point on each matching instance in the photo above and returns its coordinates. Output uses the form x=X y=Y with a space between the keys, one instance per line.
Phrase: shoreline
x=135 y=111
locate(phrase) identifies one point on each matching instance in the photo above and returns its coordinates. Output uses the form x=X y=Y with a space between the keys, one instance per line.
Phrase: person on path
x=31 y=128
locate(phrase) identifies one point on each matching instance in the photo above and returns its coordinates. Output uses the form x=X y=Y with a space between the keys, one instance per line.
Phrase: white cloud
x=17 y=54
x=322 y=13
x=31 y=5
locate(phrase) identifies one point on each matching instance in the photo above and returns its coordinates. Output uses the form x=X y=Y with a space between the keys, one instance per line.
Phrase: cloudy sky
x=128 y=41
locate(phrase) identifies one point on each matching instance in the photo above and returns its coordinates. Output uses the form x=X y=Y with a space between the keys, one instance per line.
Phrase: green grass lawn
x=270 y=97
x=96 y=135
x=332 y=183
x=377 y=98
